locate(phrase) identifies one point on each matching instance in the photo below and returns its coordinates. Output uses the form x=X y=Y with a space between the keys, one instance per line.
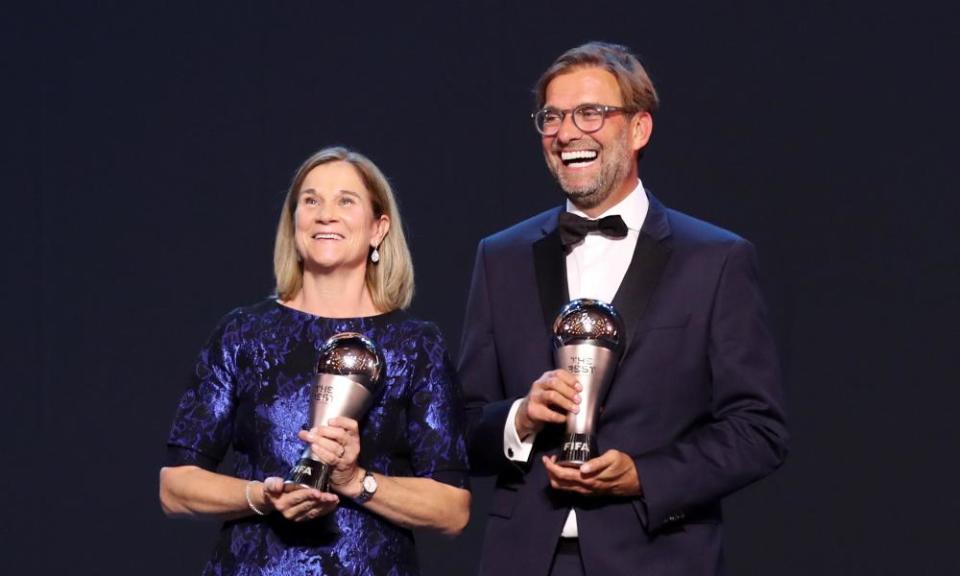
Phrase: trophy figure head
x=588 y=321
x=353 y=355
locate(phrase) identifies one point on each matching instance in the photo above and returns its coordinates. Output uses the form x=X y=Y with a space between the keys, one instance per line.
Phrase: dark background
x=148 y=147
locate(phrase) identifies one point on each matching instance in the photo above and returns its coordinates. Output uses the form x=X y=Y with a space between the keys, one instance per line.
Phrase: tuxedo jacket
x=696 y=399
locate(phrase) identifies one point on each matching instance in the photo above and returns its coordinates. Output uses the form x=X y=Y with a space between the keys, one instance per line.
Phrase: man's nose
x=568 y=130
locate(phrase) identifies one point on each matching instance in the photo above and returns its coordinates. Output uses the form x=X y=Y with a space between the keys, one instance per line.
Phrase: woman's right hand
x=338 y=445
x=297 y=505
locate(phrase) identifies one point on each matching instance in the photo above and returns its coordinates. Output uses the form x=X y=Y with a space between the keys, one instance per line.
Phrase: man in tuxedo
x=695 y=409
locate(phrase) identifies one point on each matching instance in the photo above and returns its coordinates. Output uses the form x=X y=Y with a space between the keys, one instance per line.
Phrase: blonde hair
x=390 y=281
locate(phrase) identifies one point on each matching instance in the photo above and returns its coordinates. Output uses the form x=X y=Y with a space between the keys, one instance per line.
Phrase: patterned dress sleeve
x=202 y=428
x=435 y=417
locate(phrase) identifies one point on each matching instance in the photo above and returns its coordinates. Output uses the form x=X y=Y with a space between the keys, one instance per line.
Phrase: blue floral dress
x=251 y=393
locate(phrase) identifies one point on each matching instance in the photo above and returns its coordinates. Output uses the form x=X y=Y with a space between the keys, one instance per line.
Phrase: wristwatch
x=369 y=488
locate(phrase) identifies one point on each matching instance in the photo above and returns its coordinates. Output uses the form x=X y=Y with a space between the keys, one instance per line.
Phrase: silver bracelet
x=246 y=492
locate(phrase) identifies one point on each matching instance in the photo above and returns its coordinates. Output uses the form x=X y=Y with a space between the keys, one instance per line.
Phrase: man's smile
x=578 y=158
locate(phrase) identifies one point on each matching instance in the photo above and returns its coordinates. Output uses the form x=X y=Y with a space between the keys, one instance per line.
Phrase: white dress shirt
x=595 y=268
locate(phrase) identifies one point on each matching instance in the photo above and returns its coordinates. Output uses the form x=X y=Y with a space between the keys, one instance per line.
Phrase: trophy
x=349 y=377
x=588 y=341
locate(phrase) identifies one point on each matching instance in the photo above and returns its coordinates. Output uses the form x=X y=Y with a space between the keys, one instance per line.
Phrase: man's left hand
x=613 y=473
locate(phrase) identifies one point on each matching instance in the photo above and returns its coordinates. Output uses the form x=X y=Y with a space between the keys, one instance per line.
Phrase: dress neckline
x=376 y=318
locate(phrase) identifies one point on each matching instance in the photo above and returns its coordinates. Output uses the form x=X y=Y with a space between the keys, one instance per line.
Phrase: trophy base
x=575 y=451
x=309 y=473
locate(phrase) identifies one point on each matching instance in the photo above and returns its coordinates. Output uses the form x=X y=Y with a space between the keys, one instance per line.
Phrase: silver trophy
x=588 y=341
x=349 y=377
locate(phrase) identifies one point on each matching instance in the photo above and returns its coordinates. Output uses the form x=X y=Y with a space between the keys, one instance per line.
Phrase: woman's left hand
x=336 y=444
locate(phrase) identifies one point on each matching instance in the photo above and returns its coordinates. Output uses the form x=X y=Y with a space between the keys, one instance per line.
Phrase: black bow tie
x=573 y=228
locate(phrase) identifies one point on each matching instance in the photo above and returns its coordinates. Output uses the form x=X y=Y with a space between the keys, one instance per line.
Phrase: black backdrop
x=148 y=146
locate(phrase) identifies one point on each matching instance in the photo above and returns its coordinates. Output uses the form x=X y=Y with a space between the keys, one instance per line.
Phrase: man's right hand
x=551 y=396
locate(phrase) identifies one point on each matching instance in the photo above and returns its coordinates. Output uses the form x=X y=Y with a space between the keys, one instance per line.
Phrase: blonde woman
x=341 y=264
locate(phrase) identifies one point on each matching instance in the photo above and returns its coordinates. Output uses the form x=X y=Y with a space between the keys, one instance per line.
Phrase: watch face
x=369 y=484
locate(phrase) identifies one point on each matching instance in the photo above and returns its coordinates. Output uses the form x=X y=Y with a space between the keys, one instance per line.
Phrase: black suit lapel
x=551 y=271
x=650 y=258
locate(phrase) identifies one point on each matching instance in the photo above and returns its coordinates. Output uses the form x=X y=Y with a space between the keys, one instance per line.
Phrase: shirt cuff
x=514 y=448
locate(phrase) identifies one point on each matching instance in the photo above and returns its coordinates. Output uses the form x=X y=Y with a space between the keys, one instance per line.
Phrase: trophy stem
x=576 y=450
x=309 y=473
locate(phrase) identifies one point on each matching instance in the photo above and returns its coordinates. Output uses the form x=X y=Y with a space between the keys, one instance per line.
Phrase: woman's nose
x=325 y=213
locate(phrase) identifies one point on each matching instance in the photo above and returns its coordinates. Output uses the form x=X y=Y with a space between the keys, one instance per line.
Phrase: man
x=694 y=411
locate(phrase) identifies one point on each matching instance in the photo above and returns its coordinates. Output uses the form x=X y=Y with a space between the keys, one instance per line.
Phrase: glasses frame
x=603 y=108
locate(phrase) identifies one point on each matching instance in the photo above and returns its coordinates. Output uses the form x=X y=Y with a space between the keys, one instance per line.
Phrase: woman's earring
x=375 y=256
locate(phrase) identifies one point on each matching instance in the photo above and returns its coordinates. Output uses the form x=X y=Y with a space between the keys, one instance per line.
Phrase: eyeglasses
x=588 y=118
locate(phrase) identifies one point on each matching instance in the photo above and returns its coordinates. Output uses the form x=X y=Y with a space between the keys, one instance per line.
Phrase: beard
x=614 y=169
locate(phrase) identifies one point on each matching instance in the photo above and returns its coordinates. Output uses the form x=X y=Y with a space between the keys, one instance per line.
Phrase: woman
x=341 y=264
